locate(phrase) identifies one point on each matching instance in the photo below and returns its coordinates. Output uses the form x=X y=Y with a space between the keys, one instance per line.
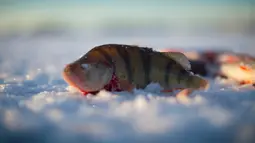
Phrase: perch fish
x=117 y=67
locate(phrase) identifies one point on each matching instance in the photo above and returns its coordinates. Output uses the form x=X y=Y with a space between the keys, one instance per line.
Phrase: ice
x=36 y=105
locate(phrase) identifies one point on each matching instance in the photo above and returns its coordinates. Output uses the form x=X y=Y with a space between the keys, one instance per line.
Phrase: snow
x=36 y=105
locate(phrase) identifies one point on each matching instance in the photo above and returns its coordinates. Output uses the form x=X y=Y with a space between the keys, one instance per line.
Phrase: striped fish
x=133 y=67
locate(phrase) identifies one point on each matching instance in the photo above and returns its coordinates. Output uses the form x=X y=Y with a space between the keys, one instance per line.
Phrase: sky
x=117 y=1
x=27 y=14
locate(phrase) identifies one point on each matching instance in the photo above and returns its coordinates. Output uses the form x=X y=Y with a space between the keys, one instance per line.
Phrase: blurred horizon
x=153 y=16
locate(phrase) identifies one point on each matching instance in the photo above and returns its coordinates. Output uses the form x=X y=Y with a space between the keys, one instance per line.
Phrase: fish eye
x=85 y=66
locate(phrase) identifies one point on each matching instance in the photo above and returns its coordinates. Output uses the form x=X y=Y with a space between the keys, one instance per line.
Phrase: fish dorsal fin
x=180 y=58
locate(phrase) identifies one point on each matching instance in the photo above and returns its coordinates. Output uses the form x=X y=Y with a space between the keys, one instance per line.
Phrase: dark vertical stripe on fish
x=146 y=61
x=108 y=58
x=106 y=55
x=125 y=56
x=182 y=73
x=179 y=76
x=169 y=66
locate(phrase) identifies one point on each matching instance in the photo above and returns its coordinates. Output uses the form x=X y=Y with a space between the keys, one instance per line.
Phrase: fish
x=120 y=67
x=241 y=72
x=213 y=58
x=231 y=65
x=238 y=67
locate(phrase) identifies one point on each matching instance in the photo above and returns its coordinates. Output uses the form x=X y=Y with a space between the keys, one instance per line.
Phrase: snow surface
x=36 y=105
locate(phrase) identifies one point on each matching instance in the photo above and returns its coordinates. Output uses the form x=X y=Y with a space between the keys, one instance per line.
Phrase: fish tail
x=199 y=82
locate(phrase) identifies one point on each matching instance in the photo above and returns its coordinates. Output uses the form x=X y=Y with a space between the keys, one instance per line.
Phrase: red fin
x=245 y=68
x=171 y=90
x=246 y=82
x=84 y=93
x=185 y=92
x=183 y=96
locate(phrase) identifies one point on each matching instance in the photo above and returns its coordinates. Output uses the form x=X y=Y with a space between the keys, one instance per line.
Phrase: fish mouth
x=75 y=81
x=72 y=79
x=68 y=78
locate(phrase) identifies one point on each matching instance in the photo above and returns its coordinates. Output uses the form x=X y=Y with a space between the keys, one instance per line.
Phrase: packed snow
x=36 y=105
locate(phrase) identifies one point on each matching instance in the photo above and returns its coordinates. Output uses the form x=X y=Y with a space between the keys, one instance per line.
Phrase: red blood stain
x=113 y=85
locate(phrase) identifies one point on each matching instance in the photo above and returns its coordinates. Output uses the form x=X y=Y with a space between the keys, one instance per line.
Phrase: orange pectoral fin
x=245 y=68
